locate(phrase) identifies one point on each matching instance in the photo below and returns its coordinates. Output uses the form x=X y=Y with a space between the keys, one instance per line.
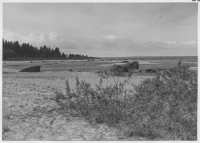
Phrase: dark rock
x=120 y=66
x=124 y=61
x=70 y=70
x=31 y=69
x=160 y=70
x=151 y=71
x=127 y=67
x=134 y=65
x=163 y=69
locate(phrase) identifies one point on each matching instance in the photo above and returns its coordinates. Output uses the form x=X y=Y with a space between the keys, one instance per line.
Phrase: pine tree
x=27 y=50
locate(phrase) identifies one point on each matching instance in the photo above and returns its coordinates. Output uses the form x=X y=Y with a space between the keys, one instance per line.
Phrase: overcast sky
x=104 y=30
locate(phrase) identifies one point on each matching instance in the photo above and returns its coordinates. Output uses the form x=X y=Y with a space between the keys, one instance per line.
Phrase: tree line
x=14 y=49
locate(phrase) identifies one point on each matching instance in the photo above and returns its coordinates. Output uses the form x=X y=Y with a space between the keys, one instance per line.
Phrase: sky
x=105 y=29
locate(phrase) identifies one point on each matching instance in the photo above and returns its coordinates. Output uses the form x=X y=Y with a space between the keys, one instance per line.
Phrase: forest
x=14 y=49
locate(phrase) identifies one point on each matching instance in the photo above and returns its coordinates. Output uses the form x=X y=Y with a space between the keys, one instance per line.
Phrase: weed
x=163 y=107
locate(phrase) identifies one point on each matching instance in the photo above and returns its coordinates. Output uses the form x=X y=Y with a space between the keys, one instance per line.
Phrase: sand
x=29 y=108
x=30 y=111
x=91 y=66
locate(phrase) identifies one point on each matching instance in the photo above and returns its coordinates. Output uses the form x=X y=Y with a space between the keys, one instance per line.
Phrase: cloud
x=54 y=37
x=11 y=35
x=192 y=42
x=110 y=37
x=145 y=21
x=44 y=37
x=111 y=45
x=31 y=38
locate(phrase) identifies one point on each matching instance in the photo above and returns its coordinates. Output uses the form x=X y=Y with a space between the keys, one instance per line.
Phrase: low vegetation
x=160 y=108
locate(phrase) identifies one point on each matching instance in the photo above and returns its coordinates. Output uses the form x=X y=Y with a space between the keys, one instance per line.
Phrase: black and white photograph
x=99 y=71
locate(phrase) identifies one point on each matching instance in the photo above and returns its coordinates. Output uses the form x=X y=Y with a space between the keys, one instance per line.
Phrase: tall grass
x=163 y=107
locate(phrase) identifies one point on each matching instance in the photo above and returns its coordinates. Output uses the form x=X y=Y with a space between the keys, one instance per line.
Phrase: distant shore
x=41 y=58
x=194 y=58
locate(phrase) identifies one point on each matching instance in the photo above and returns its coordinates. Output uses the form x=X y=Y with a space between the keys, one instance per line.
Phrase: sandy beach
x=99 y=71
x=29 y=108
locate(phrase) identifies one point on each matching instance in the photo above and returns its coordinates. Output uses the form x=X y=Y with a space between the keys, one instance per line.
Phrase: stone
x=151 y=71
x=124 y=61
x=127 y=66
x=160 y=70
x=31 y=69
x=134 y=65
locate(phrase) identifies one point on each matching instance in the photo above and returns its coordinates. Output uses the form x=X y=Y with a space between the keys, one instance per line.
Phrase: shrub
x=163 y=107
x=99 y=104
x=166 y=105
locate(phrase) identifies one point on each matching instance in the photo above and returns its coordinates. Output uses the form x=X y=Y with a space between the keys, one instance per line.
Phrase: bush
x=167 y=105
x=163 y=107
x=99 y=104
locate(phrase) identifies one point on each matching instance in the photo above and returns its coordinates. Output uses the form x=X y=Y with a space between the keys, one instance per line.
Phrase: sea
x=184 y=58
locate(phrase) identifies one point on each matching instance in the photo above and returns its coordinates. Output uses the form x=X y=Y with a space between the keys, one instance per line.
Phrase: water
x=184 y=58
